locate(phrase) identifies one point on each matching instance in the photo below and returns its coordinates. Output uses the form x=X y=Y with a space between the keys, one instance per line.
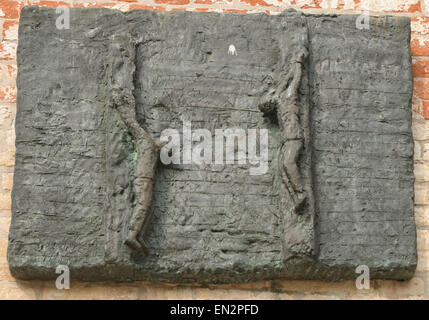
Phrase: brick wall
x=417 y=288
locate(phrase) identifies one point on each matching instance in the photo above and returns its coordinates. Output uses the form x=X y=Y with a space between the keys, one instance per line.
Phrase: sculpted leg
x=292 y=148
x=290 y=172
x=141 y=214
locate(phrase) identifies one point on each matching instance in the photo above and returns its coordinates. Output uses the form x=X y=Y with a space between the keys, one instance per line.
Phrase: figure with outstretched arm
x=146 y=164
x=285 y=103
x=148 y=150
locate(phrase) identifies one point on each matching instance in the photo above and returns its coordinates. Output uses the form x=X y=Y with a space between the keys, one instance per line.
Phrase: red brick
x=411 y=9
x=315 y=4
x=419 y=47
x=426 y=109
x=420 y=25
x=256 y=3
x=415 y=8
x=177 y=2
x=10 y=9
x=343 y=5
x=204 y=2
x=8 y=94
x=7 y=75
x=94 y=5
x=235 y=11
x=397 y=6
x=144 y=7
x=10 y=30
x=421 y=69
x=11 y=69
x=50 y=4
x=7 y=50
x=421 y=88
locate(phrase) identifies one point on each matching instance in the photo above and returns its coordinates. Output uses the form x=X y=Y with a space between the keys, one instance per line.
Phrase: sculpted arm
x=122 y=99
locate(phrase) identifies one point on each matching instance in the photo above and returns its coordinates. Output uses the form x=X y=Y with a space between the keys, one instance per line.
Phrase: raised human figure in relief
x=285 y=104
x=122 y=99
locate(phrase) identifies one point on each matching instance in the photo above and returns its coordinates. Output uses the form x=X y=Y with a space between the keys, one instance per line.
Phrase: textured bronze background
x=73 y=191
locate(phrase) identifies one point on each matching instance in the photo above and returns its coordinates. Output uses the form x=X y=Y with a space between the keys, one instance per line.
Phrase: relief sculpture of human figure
x=284 y=103
x=122 y=99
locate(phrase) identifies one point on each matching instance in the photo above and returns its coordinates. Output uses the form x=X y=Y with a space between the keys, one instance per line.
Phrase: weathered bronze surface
x=90 y=191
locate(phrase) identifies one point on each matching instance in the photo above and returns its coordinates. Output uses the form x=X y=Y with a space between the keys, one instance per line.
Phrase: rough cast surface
x=77 y=159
